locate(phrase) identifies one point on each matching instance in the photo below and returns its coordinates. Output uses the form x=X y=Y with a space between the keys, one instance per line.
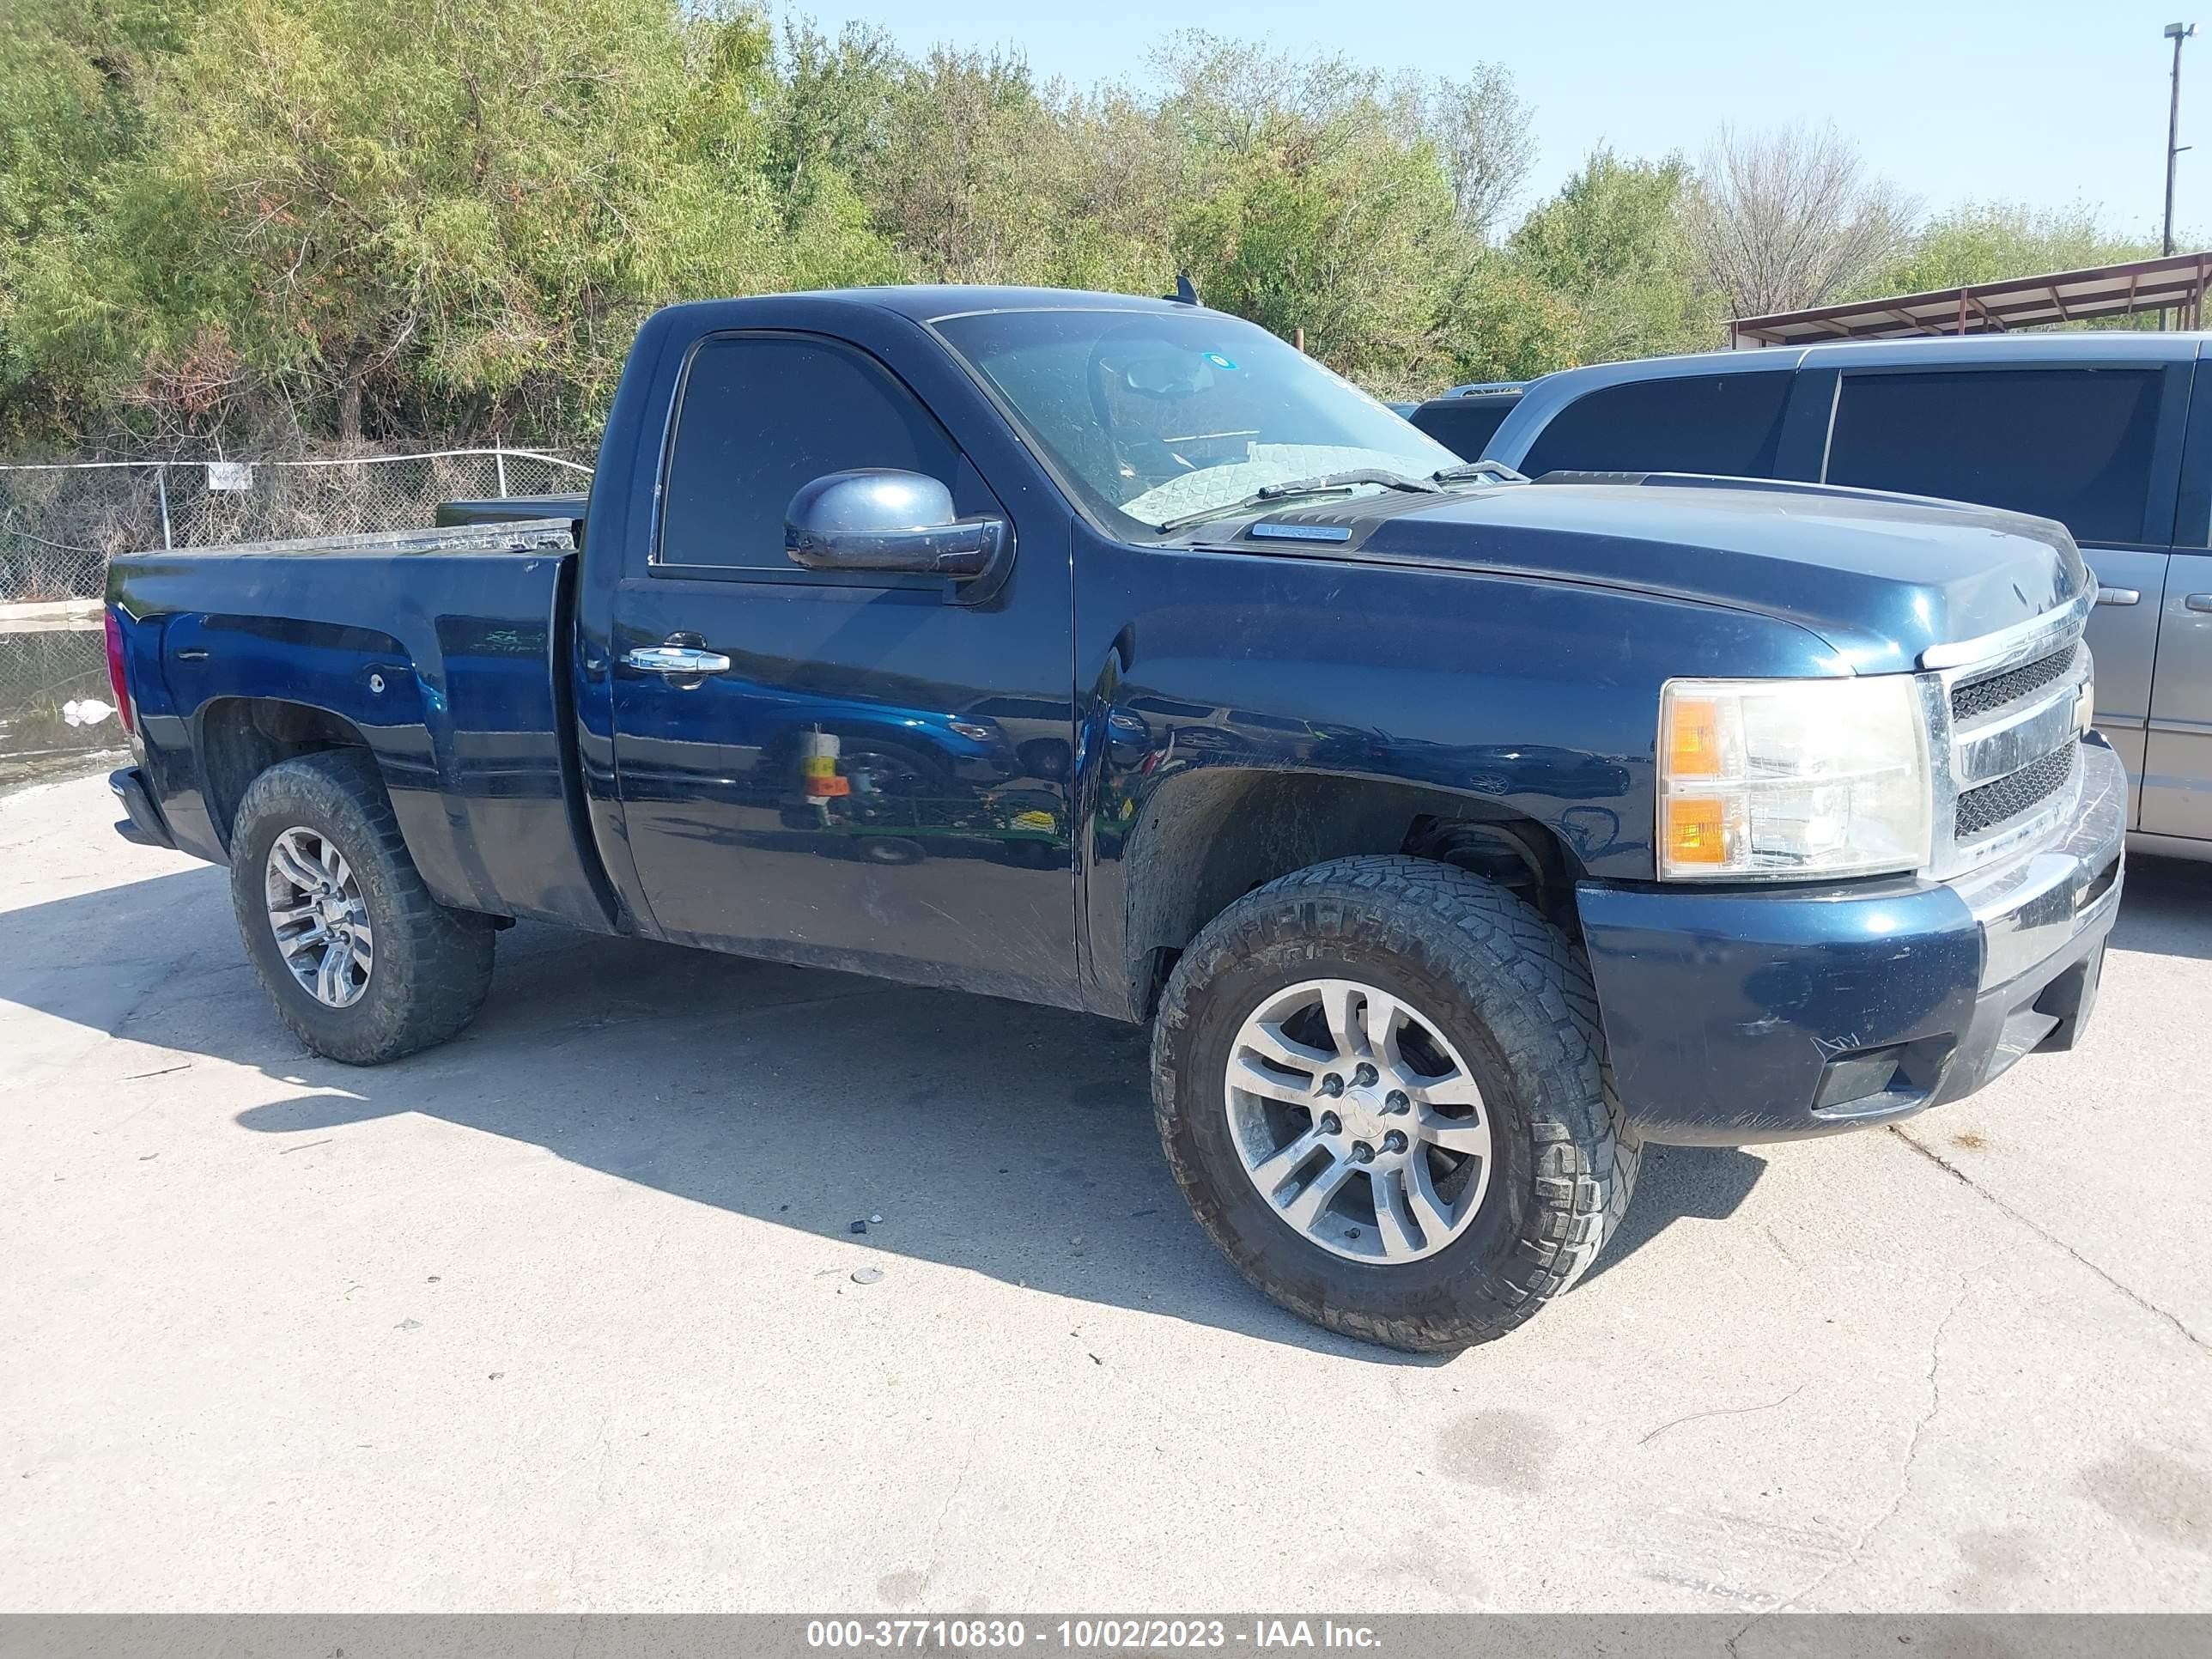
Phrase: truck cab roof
x=929 y=303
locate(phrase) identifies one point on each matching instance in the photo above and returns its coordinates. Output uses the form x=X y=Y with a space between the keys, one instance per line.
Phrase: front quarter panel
x=1514 y=695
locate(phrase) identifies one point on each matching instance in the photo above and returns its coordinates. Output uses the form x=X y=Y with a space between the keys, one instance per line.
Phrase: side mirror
x=876 y=518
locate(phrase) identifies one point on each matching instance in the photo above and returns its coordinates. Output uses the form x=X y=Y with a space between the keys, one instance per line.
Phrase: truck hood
x=1881 y=578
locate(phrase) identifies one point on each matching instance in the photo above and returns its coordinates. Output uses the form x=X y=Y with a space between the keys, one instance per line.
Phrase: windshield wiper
x=1328 y=484
x=1496 y=472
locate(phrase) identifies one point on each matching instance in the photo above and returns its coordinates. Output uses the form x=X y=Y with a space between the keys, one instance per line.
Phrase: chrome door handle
x=2119 y=596
x=677 y=659
x=2199 y=601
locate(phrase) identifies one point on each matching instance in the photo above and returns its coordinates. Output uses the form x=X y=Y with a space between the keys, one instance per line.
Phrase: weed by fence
x=61 y=522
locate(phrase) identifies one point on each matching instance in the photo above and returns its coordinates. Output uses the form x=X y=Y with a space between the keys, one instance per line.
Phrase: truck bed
x=462 y=694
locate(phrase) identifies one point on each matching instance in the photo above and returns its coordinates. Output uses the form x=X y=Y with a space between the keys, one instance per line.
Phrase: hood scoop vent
x=1271 y=530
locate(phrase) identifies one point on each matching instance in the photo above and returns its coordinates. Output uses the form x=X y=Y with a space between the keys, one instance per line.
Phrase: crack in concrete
x=584 y=1523
x=2050 y=1237
x=1934 y=1386
x=952 y=1497
x=1724 y=1411
x=1933 y=1381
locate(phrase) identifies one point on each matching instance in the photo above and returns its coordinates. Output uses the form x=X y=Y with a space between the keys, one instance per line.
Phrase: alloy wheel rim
x=1358 y=1122
x=318 y=918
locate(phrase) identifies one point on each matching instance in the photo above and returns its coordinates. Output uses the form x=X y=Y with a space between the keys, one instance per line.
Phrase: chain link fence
x=61 y=522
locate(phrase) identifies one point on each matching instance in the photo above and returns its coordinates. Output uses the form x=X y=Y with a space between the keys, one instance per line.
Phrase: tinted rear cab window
x=1464 y=425
x=1728 y=424
x=2071 y=444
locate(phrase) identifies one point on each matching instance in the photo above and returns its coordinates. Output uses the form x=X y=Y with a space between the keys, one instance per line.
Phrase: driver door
x=830 y=779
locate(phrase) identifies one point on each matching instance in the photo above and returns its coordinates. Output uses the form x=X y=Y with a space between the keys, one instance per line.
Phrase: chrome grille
x=2004 y=713
x=1982 y=810
x=1972 y=700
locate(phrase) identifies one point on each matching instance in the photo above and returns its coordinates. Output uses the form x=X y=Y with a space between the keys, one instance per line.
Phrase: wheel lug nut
x=1332 y=1085
x=1396 y=1101
x=1361 y=1152
x=1363 y=1076
x=1330 y=1123
x=1394 y=1142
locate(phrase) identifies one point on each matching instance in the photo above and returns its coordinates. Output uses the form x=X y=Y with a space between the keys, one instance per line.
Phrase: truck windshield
x=1165 y=420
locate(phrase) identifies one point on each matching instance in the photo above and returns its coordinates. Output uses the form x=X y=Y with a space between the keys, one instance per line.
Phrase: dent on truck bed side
x=1245 y=714
x=457 y=700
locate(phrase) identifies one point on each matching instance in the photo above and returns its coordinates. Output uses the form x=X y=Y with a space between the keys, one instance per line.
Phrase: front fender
x=1240 y=714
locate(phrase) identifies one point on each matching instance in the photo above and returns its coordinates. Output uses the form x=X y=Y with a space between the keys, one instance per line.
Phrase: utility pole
x=2176 y=32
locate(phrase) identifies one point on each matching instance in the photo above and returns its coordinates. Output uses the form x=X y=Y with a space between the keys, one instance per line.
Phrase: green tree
x=72 y=79
x=400 y=215
x=1989 y=241
x=260 y=221
x=833 y=112
x=951 y=182
x=983 y=175
x=1314 y=201
x=1484 y=137
x=1616 y=271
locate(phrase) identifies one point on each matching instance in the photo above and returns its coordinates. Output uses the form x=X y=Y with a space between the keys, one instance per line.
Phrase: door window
x=2069 y=444
x=760 y=416
x=1728 y=425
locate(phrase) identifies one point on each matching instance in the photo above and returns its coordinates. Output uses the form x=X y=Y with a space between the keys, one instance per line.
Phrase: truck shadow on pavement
x=1005 y=1140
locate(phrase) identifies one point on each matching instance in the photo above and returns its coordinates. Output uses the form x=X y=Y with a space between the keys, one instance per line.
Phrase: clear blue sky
x=1953 y=101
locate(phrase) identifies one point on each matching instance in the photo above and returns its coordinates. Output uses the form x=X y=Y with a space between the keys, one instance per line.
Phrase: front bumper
x=1733 y=1017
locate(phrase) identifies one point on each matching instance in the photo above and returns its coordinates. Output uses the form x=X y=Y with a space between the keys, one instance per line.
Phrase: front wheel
x=362 y=963
x=1379 y=1082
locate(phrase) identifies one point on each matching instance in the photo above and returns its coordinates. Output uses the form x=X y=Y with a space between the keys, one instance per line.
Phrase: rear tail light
x=116 y=677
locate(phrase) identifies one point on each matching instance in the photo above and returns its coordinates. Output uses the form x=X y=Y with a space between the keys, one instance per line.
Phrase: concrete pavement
x=563 y=1315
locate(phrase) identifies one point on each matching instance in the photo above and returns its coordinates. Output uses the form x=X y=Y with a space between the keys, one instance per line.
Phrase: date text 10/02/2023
x=1088 y=1635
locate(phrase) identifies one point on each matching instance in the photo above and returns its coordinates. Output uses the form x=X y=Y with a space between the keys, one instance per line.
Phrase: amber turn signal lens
x=1694 y=831
x=1694 y=738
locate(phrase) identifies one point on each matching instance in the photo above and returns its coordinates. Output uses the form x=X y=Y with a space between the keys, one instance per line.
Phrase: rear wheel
x=362 y=963
x=1379 y=1082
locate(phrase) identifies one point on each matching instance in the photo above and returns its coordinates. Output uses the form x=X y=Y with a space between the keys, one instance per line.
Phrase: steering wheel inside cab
x=1148 y=394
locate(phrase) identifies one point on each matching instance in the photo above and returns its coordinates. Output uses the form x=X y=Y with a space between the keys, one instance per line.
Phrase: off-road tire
x=433 y=966
x=1513 y=995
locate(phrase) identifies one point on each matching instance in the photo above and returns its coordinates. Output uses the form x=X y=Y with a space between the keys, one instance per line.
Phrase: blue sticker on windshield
x=1219 y=361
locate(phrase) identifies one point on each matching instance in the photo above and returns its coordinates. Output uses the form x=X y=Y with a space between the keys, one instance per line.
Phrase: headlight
x=1792 y=778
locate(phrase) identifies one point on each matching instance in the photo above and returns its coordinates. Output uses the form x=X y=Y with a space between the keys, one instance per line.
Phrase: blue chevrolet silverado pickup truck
x=1457 y=834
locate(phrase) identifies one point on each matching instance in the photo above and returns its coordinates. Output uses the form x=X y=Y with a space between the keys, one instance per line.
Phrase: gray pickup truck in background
x=2108 y=432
